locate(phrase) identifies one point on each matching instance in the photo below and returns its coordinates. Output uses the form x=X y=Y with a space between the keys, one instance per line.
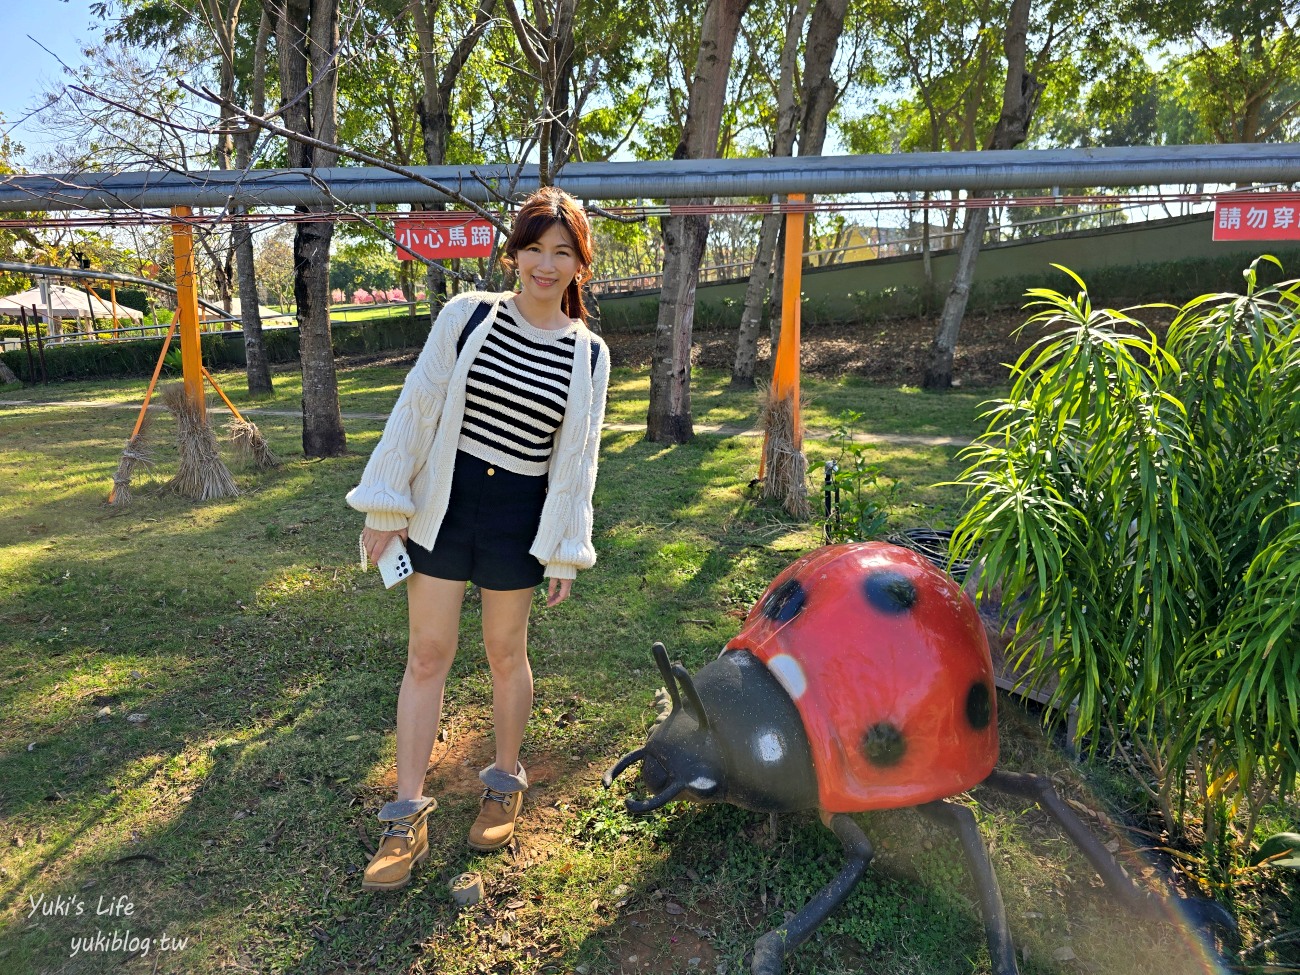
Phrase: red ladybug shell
x=887 y=662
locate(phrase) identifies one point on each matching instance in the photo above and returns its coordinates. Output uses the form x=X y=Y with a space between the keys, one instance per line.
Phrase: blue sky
x=64 y=28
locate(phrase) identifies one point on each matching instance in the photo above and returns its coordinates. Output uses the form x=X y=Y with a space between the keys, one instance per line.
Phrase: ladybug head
x=733 y=735
x=681 y=754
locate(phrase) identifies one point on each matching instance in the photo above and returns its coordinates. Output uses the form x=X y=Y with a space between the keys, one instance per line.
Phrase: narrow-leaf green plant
x=1140 y=500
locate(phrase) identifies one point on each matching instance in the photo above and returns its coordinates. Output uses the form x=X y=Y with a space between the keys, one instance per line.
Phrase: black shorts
x=490 y=525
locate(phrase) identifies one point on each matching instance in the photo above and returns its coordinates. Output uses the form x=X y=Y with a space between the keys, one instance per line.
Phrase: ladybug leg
x=770 y=950
x=962 y=821
x=1204 y=914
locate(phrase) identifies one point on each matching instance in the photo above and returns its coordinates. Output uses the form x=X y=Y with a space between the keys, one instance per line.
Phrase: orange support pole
x=785 y=373
x=785 y=361
x=187 y=307
x=222 y=393
x=153 y=380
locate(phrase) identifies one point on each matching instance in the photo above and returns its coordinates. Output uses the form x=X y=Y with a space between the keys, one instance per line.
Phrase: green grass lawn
x=197 y=706
x=374 y=389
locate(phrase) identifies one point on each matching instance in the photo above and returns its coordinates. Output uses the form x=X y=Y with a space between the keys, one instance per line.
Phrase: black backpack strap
x=475 y=319
x=480 y=313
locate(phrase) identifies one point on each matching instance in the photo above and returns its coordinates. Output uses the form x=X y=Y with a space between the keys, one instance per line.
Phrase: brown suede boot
x=495 y=826
x=401 y=846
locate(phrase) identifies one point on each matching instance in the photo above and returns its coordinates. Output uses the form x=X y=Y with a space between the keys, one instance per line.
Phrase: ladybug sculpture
x=861 y=680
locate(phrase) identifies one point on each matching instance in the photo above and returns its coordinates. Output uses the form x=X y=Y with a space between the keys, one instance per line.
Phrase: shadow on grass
x=268 y=669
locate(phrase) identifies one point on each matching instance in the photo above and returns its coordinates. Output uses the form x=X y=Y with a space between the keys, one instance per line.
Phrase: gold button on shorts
x=491 y=471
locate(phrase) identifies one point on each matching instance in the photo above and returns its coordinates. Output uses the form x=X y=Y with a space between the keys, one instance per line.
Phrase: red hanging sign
x=439 y=236
x=1273 y=216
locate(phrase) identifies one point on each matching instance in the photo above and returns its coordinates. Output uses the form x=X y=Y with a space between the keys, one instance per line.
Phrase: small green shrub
x=859 y=494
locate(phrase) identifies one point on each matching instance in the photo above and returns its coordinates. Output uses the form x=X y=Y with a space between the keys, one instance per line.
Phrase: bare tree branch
x=358 y=155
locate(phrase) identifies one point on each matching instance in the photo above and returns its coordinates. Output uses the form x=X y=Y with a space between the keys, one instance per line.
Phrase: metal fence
x=941 y=239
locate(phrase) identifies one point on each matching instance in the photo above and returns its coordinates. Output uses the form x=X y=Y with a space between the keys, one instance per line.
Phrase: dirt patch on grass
x=455 y=762
x=891 y=352
x=661 y=935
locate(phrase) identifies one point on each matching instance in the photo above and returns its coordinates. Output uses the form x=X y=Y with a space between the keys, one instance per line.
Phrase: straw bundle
x=138 y=451
x=250 y=445
x=786 y=468
x=202 y=475
x=7 y=375
x=247 y=439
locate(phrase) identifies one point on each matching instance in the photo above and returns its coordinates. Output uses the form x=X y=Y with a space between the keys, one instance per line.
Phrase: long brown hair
x=546 y=207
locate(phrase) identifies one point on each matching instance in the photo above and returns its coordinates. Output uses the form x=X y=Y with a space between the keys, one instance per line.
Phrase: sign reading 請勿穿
x=1257 y=216
x=440 y=236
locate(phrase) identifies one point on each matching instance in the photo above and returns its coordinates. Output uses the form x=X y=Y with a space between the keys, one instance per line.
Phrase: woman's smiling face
x=548 y=265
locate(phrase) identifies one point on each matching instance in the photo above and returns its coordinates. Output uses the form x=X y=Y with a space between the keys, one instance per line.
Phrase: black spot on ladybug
x=979 y=709
x=890 y=592
x=884 y=745
x=784 y=603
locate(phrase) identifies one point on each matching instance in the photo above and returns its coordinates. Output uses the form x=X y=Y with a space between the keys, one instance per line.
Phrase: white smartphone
x=394 y=564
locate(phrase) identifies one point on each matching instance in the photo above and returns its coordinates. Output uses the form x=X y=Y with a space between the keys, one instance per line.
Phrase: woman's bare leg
x=505 y=637
x=433 y=606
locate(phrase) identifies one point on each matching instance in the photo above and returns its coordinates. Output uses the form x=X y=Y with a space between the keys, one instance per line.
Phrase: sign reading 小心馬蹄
x=1259 y=216
x=440 y=236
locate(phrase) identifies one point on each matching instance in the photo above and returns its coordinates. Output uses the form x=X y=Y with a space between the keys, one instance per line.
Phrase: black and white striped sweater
x=515 y=393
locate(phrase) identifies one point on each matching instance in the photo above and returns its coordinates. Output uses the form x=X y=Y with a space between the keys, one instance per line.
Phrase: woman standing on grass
x=486 y=470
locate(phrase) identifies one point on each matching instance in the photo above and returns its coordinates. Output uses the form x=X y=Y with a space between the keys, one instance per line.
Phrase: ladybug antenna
x=631 y=758
x=688 y=688
x=661 y=658
x=638 y=806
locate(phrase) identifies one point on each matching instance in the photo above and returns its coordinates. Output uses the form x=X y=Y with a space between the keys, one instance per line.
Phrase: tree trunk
x=308 y=35
x=669 y=419
x=938 y=371
x=787 y=113
x=778 y=287
x=1019 y=100
x=820 y=93
x=927 y=261
x=559 y=98
x=322 y=425
x=818 y=96
x=224 y=21
x=256 y=366
x=784 y=463
x=434 y=105
x=742 y=372
x=669 y=416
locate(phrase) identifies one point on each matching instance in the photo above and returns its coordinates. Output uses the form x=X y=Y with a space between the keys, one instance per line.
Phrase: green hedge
x=1175 y=282
x=109 y=360
x=136 y=298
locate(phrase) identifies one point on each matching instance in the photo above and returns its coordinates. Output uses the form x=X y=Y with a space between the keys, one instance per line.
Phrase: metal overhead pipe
x=673 y=179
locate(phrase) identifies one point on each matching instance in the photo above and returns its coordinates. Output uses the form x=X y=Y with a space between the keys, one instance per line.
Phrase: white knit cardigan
x=407 y=481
